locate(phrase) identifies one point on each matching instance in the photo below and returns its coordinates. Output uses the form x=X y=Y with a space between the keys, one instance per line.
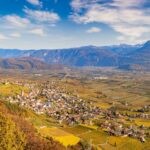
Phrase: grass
x=140 y=122
x=67 y=140
x=88 y=134
x=89 y=126
x=15 y=109
x=104 y=105
x=104 y=92
x=124 y=143
x=41 y=120
x=76 y=130
x=128 y=143
x=11 y=89
x=104 y=141
x=96 y=137
x=59 y=135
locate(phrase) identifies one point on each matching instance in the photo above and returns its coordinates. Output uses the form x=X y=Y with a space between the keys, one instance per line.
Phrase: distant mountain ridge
x=122 y=56
x=26 y=63
x=140 y=57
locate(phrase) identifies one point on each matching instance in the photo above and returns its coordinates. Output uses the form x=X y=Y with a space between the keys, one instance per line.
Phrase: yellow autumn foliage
x=59 y=135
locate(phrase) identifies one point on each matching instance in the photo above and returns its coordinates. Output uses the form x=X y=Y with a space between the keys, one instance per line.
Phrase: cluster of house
x=146 y=108
x=57 y=103
x=117 y=129
x=121 y=128
x=70 y=109
x=139 y=115
x=142 y=113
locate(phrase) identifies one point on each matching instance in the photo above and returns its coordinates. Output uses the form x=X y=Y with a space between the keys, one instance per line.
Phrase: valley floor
x=104 y=111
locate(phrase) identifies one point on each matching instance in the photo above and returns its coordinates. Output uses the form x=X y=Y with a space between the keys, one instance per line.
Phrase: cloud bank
x=129 y=18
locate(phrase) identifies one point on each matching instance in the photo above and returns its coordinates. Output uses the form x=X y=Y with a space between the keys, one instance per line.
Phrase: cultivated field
x=123 y=93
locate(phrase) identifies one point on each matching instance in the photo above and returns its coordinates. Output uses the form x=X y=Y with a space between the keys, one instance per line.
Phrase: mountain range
x=27 y=63
x=128 y=57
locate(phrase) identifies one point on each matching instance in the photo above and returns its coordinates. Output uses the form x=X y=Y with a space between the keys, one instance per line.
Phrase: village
x=69 y=109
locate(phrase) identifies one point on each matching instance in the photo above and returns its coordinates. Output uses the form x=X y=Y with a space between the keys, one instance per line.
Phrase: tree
x=11 y=138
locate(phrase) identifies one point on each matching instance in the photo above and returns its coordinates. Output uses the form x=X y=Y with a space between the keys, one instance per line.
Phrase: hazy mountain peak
x=147 y=43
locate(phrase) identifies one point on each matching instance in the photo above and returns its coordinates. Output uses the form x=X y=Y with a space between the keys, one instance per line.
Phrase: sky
x=52 y=24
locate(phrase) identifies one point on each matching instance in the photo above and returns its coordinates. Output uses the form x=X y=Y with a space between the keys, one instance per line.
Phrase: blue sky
x=40 y=24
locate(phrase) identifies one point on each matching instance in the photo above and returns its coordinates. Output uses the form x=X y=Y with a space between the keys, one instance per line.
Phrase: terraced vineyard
x=119 y=108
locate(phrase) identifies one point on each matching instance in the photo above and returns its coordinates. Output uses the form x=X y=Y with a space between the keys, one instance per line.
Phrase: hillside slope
x=84 y=56
x=139 y=59
x=26 y=63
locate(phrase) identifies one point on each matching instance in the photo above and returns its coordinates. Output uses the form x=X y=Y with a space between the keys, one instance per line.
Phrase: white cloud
x=15 y=35
x=128 y=3
x=17 y=21
x=38 y=31
x=42 y=16
x=35 y=2
x=3 y=37
x=128 y=17
x=77 y=5
x=132 y=40
x=93 y=30
x=35 y=22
